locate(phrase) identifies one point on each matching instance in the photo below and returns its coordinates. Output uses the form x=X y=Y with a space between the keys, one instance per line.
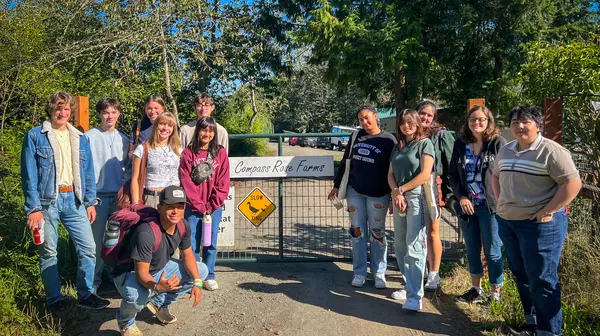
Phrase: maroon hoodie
x=210 y=194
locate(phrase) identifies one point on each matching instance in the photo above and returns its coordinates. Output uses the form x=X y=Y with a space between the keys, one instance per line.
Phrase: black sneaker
x=471 y=296
x=526 y=330
x=57 y=307
x=93 y=301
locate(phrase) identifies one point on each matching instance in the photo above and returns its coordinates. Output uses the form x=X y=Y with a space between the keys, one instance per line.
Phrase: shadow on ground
x=326 y=285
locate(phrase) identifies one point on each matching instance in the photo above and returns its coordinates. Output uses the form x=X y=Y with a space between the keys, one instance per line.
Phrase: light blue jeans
x=74 y=218
x=209 y=253
x=410 y=242
x=103 y=211
x=135 y=296
x=368 y=212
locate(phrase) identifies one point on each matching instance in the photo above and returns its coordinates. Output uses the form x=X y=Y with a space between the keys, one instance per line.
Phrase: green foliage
x=308 y=98
x=237 y=116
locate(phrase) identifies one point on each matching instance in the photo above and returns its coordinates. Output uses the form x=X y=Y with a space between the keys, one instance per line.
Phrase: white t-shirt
x=162 y=169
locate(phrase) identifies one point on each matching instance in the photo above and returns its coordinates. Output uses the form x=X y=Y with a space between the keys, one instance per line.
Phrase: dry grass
x=458 y=282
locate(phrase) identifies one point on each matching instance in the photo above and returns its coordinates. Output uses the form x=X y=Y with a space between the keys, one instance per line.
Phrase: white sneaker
x=162 y=313
x=211 y=285
x=495 y=296
x=412 y=304
x=132 y=330
x=433 y=281
x=399 y=294
x=380 y=281
x=358 y=280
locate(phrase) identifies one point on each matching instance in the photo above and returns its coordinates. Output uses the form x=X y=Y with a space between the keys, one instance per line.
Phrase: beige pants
x=151 y=200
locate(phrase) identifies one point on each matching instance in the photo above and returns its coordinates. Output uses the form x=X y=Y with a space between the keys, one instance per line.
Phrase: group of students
x=511 y=195
x=506 y=194
x=76 y=179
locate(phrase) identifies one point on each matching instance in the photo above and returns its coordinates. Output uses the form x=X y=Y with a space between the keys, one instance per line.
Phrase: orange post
x=554 y=119
x=82 y=116
x=475 y=101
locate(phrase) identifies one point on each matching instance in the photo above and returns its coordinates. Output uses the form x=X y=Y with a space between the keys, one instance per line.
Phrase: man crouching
x=154 y=279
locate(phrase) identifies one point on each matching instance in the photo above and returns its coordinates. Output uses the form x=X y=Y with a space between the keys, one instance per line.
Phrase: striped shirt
x=529 y=178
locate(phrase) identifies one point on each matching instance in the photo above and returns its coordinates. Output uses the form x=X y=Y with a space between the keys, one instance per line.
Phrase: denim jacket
x=40 y=157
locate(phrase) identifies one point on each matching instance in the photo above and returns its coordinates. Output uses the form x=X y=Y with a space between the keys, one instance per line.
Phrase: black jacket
x=457 y=171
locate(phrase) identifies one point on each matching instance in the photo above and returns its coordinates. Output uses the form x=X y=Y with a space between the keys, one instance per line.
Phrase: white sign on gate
x=226 y=235
x=281 y=166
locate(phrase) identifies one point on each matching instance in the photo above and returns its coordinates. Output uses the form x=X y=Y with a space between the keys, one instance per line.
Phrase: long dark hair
x=213 y=146
x=414 y=119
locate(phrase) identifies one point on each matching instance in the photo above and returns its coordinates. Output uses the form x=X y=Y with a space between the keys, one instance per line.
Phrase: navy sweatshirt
x=370 y=155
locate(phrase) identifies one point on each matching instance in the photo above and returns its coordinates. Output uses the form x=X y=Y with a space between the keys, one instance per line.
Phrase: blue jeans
x=533 y=253
x=482 y=229
x=103 y=211
x=135 y=296
x=73 y=216
x=368 y=212
x=209 y=253
x=410 y=243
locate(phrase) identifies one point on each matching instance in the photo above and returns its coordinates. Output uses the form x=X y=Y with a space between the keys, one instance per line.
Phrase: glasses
x=481 y=120
x=205 y=105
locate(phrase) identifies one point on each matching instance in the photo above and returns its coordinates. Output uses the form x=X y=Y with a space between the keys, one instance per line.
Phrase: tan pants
x=151 y=201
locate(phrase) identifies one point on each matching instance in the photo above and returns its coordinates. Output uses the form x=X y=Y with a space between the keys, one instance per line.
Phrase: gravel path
x=291 y=299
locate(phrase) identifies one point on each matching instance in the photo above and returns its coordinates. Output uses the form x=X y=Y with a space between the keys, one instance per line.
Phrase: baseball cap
x=172 y=195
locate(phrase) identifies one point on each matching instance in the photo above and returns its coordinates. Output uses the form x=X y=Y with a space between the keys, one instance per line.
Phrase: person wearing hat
x=154 y=279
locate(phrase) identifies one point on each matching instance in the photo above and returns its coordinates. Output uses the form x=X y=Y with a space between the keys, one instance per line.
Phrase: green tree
x=313 y=104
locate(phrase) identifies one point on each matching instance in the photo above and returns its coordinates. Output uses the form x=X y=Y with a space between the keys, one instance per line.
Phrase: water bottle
x=38 y=234
x=111 y=234
x=206 y=230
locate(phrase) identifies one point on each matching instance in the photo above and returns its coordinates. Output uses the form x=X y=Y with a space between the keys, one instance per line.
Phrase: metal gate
x=305 y=226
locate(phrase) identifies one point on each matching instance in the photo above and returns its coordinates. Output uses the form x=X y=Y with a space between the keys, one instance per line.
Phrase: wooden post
x=82 y=116
x=553 y=123
x=475 y=101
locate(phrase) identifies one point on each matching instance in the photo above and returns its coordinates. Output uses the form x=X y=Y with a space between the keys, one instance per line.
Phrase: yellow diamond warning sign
x=256 y=207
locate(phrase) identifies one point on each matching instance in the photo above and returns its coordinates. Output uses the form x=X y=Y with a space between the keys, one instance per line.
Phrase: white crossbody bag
x=344 y=184
x=430 y=190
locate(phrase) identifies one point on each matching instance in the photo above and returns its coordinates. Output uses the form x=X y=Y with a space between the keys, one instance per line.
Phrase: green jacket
x=443 y=142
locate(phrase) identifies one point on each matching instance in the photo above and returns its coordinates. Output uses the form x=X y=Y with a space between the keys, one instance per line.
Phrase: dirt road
x=292 y=299
x=306 y=151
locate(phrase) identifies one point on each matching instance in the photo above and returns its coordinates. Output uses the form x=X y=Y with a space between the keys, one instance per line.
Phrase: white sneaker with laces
x=132 y=330
x=380 y=281
x=211 y=285
x=162 y=313
x=433 y=281
x=399 y=294
x=412 y=304
x=358 y=280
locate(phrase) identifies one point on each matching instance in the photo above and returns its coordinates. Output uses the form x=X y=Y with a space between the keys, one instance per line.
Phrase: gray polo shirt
x=529 y=178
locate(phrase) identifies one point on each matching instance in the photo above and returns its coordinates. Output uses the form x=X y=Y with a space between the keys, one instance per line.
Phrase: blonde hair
x=174 y=141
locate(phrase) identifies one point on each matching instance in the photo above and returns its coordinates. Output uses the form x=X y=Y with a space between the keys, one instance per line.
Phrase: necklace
x=165 y=150
x=62 y=137
x=112 y=139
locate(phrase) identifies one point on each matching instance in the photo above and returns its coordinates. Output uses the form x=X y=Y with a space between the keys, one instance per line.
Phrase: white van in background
x=340 y=142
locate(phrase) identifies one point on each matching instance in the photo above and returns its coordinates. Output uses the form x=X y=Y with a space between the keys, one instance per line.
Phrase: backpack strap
x=181 y=228
x=156 y=229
